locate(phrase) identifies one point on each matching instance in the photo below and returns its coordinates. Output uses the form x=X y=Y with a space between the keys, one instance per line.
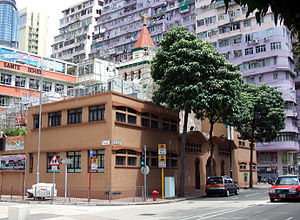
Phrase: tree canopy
x=260 y=117
x=14 y=132
x=193 y=76
x=286 y=11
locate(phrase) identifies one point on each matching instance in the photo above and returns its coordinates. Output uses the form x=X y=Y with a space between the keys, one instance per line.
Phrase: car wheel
x=272 y=200
x=227 y=193
x=236 y=191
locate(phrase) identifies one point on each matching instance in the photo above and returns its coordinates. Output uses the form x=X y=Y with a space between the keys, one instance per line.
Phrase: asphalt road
x=249 y=204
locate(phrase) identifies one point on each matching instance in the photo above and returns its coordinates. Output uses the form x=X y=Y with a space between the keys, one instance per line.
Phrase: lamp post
x=40 y=125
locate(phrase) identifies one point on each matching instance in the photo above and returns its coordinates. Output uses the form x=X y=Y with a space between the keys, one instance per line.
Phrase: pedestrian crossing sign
x=54 y=161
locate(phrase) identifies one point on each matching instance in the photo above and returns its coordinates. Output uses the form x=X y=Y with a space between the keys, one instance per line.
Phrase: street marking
x=289 y=218
x=252 y=194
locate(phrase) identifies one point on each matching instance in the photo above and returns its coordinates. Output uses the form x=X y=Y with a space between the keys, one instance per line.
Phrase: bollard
x=69 y=194
x=18 y=212
x=0 y=192
x=133 y=194
x=109 y=194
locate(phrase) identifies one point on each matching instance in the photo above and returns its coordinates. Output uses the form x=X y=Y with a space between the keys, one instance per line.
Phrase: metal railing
x=95 y=195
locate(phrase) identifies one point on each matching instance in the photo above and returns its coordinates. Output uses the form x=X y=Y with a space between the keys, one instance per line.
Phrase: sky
x=51 y=7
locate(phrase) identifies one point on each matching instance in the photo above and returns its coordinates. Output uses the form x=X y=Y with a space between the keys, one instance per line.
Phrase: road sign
x=91 y=153
x=54 y=168
x=67 y=161
x=54 y=161
x=162 y=149
x=145 y=170
x=162 y=164
x=94 y=163
x=162 y=158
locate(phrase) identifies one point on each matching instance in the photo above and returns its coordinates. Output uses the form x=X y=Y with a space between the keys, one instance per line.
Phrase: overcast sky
x=51 y=7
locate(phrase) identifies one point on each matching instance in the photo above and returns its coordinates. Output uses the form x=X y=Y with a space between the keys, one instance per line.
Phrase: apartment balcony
x=278 y=146
x=89 y=78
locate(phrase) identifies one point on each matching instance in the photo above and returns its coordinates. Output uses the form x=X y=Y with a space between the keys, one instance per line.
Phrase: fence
x=80 y=194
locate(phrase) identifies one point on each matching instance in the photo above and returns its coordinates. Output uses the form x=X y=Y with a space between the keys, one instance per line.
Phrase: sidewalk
x=119 y=202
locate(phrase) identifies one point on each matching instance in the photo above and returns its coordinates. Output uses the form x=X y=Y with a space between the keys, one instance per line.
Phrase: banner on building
x=11 y=56
x=12 y=162
x=14 y=143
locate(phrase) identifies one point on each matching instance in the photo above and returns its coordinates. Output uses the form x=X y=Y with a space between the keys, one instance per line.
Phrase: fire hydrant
x=154 y=193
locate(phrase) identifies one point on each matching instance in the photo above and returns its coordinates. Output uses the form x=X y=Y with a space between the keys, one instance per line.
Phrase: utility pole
x=40 y=125
x=145 y=175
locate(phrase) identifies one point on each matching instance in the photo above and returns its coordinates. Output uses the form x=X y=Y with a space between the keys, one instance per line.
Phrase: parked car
x=285 y=187
x=42 y=191
x=222 y=185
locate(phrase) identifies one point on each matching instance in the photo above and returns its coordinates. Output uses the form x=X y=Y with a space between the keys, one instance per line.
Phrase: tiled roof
x=145 y=39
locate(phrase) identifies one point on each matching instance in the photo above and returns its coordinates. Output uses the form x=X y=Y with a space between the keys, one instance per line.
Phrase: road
x=249 y=204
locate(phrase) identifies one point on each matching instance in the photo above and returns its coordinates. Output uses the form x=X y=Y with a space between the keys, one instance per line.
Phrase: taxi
x=285 y=187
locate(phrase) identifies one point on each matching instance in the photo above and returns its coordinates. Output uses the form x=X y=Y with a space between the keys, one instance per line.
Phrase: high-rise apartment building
x=74 y=41
x=9 y=24
x=33 y=32
x=120 y=23
x=263 y=53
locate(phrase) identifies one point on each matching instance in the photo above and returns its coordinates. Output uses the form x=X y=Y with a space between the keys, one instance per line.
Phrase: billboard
x=12 y=56
x=12 y=162
x=14 y=143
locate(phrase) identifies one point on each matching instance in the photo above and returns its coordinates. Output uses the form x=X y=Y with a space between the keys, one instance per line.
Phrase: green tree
x=182 y=68
x=260 y=117
x=14 y=132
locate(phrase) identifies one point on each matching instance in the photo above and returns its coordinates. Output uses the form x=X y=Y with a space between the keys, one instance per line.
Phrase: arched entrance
x=208 y=168
x=197 y=173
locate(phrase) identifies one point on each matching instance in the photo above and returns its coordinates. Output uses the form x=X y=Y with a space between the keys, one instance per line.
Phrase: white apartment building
x=73 y=44
x=33 y=32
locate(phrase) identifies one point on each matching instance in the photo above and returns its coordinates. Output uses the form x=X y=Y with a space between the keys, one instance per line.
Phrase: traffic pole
x=90 y=180
x=145 y=175
x=162 y=184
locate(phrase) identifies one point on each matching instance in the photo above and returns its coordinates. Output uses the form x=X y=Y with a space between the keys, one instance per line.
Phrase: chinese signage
x=14 y=143
x=12 y=162
x=11 y=56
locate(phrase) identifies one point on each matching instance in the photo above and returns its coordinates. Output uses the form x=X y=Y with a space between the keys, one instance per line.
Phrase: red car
x=285 y=187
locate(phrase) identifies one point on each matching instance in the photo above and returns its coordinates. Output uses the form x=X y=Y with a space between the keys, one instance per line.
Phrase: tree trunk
x=182 y=157
x=212 y=148
x=251 y=163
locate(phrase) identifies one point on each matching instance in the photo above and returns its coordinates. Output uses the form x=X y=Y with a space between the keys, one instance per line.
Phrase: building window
x=275 y=46
x=121 y=160
x=131 y=119
x=275 y=75
x=20 y=81
x=6 y=79
x=243 y=166
x=193 y=147
x=75 y=166
x=248 y=37
x=261 y=77
x=99 y=154
x=4 y=100
x=261 y=48
x=34 y=84
x=120 y=117
x=131 y=161
x=47 y=86
x=59 y=88
x=54 y=119
x=237 y=53
x=251 y=79
x=75 y=116
x=36 y=121
x=97 y=113
x=49 y=157
x=247 y=23
x=145 y=122
x=30 y=162
x=248 y=51
x=123 y=156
